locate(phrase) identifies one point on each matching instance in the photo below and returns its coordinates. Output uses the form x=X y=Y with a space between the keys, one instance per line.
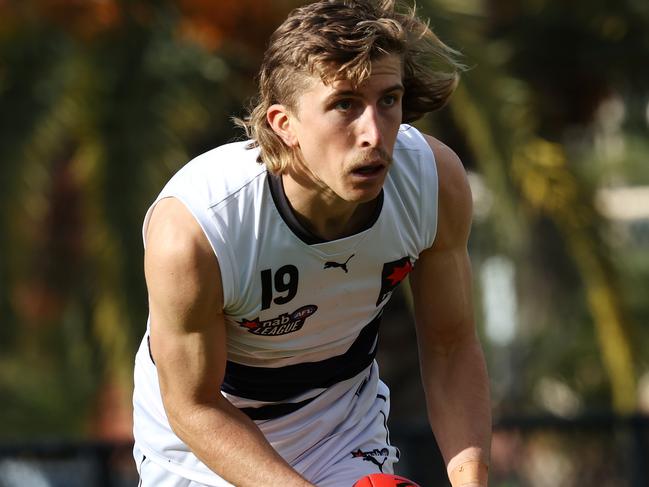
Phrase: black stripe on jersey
x=139 y=484
x=387 y=432
x=272 y=411
x=286 y=212
x=148 y=344
x=281 y=383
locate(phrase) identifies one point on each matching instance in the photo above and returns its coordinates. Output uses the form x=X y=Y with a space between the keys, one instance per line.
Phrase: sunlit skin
x=345 y=138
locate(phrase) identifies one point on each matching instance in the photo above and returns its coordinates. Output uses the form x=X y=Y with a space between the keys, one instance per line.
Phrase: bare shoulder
x=173 y=235
x=454 y=201
x=181 y=268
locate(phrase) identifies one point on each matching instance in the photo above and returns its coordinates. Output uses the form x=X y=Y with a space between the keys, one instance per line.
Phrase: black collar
x=285 y=210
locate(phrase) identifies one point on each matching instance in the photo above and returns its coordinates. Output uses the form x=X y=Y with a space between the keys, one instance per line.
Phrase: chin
x=363 y=195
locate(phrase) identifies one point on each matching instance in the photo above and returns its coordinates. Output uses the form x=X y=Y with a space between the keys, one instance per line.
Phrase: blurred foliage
x=553 y=110
x=102 y=101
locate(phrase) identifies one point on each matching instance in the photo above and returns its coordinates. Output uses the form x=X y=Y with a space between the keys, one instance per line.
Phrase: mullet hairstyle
x=339 y=39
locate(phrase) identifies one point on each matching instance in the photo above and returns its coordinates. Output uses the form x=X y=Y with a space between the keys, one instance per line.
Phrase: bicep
x=185 y=305
x=442 y=295
x=441 y=280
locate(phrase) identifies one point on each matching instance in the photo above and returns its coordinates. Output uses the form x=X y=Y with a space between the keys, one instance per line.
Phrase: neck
x=323 y=212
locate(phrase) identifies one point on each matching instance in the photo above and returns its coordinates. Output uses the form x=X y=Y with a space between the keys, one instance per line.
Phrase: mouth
x=370 y=169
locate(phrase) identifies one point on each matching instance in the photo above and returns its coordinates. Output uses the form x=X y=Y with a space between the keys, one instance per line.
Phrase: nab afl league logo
x=282 y=325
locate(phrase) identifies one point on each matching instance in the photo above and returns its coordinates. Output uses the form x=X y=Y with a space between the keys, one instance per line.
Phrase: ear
x=279 y=120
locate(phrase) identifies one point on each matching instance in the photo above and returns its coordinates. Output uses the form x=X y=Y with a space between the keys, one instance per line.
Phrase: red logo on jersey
x=393 y=273
x=282 y=325
x=400 y=273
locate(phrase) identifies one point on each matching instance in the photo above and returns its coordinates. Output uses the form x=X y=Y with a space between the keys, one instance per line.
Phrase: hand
x=472 y=473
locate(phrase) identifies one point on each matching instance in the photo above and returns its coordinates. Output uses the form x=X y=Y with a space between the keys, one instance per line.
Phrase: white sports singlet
x=302 y=315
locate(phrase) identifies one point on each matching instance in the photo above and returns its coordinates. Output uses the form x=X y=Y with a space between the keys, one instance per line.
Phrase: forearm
x=459 y=406
x=231 y=445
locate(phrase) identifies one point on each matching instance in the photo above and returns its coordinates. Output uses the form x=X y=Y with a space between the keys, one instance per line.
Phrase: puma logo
x=371 y=456
x=343 y=266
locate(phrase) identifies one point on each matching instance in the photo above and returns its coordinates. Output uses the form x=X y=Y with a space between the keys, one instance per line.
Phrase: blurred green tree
x=101 y=103
x=526 y=115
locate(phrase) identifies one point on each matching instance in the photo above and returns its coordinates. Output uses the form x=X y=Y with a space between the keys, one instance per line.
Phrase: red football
x=385 y=480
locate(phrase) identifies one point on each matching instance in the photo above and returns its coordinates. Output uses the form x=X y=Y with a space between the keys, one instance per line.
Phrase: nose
x=370 y=129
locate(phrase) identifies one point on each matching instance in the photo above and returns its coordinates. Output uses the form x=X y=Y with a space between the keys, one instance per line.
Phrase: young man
x=268 y=264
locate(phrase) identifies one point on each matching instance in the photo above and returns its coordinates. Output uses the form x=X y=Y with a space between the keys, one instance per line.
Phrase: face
x=345 y=135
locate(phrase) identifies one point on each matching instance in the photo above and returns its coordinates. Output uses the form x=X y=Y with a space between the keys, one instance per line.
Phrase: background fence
x=594 y=450
x=67 y=464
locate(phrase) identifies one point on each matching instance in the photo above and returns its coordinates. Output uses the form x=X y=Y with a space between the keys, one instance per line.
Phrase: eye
x=389 y=100
x=343 y=105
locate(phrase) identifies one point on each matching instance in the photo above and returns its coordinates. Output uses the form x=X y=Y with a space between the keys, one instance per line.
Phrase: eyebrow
x=342 y=93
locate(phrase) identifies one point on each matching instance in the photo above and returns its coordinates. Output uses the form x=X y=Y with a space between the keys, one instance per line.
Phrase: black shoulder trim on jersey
x=148 y=344
x=281 y=383
x=286 y=212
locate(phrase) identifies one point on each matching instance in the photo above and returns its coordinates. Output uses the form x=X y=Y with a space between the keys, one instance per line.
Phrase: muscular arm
x=452 y=363
x=188 y=346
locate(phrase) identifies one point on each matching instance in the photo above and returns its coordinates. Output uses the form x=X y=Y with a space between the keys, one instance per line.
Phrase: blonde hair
x=339 y=39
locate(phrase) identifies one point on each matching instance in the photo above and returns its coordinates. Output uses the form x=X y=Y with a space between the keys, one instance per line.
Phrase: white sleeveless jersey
x=302 y=315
